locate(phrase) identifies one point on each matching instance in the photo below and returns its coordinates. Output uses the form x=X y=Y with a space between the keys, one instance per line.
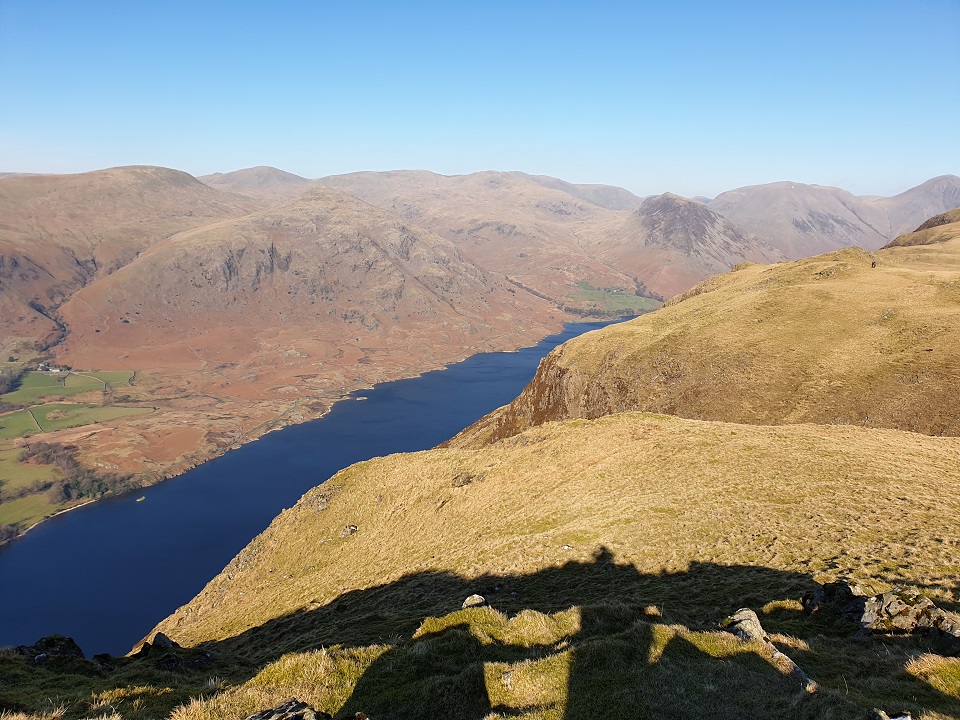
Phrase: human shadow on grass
x=635 y=651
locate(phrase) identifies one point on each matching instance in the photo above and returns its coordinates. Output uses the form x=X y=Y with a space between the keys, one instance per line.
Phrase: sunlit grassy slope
x=641 y=531
x=829 y=340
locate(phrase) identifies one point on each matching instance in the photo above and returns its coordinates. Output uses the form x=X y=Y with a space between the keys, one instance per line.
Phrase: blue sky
x=688 y=97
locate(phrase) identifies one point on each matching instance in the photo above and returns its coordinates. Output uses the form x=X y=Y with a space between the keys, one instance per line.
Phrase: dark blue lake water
x=105 y=574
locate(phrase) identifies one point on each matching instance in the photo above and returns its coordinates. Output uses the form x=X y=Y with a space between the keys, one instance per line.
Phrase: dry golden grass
x=828 y=340
x=609 y=549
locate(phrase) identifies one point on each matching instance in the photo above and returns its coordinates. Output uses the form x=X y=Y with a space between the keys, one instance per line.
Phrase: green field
x=26 y=510
x=58 y=417
x=17 y=425
x=613 y=300
x=36 y=385
x=15 y=475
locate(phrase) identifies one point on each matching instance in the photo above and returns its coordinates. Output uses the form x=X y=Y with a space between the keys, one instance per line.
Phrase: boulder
x=474 y=601
x=162 y=641
x=50 y=646
x=292 y=709
x=745 y=624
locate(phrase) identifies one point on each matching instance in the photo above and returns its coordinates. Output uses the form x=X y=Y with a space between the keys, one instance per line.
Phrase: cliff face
x=829 y=340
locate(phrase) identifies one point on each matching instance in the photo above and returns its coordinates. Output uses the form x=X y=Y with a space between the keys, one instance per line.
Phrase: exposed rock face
x=670 y=243
x=292 y=709
x=901 y=610
x=746 y=625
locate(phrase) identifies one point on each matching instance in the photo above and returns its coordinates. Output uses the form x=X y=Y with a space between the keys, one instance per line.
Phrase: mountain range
x=782 y=437
x=349 y=280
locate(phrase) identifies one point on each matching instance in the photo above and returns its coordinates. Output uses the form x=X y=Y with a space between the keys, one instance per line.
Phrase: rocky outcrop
x=901 y=610
x=292 y=709
x=51 y=646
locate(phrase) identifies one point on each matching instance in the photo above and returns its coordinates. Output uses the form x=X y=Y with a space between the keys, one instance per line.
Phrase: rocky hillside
x=669 y=243
x=59 y=233
x=802 y=220
x=826 y=340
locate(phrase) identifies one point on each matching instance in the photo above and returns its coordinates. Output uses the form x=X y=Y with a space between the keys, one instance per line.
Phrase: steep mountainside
x=292 y=303
x=829 y=339
x=555 y=237
x=911 y=208
x=670 y=243
x=59 y=233
x=506 y=222
x=266 y=183
x=802 y=220
x=938 y=229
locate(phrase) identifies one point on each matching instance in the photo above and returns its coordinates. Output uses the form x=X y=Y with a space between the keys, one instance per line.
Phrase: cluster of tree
x=8 y=532
x=75 y=482
x=9 y=379
x=34 y=488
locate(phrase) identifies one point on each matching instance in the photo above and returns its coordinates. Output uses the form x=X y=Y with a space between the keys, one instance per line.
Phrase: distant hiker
x=873 y=264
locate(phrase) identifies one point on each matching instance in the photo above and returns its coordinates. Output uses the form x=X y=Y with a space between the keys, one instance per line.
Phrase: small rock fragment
x=474 y=601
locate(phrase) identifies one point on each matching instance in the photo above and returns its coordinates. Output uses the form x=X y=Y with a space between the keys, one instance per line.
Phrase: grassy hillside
x=608 y=549
x=829 y=340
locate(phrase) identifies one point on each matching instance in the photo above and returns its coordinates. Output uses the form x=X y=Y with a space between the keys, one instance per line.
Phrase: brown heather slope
x=670 y=243
x=825 y=340
x=938 y=229
x=609 y=550
x=271 y=317
x=59 y=233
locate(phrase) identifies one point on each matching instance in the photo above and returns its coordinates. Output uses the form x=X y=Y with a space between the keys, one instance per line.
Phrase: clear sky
x=688 y=97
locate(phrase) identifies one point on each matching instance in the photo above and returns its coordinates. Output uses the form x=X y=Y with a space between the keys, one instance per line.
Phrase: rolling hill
x=59 y=233
x=826 y=340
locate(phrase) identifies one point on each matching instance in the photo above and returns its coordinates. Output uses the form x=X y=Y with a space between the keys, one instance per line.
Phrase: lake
x=105 y=574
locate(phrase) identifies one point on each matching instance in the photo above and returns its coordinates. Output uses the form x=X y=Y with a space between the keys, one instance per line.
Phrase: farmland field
x=58 y=417
x=36 y=385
